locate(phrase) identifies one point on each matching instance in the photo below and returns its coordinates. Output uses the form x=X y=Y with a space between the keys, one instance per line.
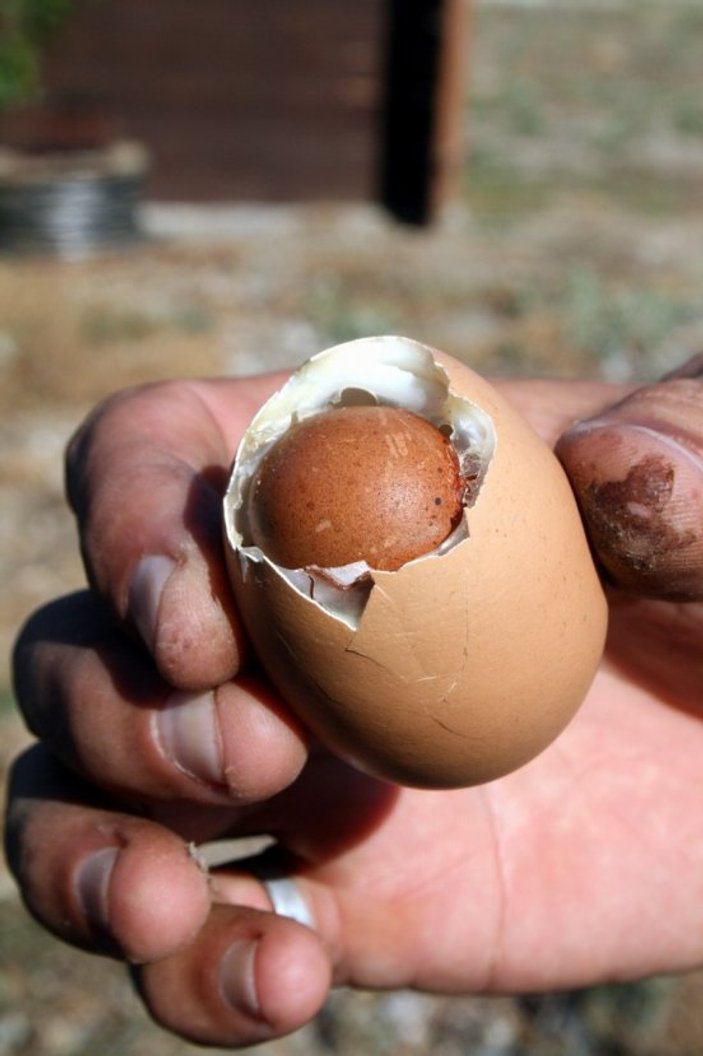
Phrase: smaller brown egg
x=363 y=483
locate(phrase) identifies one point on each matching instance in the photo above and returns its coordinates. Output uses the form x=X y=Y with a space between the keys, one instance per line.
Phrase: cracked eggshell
x=464 y=664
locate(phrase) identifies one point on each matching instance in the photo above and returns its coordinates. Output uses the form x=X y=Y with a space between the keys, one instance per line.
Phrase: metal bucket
x=73 y=204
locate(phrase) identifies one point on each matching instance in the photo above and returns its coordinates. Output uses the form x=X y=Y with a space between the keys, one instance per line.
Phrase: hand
x=156 y=730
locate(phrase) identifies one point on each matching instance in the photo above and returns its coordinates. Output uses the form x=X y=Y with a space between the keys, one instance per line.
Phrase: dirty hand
x=155 y=732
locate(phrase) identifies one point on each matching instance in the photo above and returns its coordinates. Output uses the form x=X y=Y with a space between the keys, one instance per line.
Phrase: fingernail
x=145 y=592
x=238 y=978
x=186 y=731
x=92 y=885
x=638 y=485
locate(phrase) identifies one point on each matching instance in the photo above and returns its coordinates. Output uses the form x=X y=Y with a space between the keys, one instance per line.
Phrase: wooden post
x=421 y=121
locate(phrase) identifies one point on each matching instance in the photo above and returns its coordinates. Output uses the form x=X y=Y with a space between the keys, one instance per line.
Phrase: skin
x=584 y=866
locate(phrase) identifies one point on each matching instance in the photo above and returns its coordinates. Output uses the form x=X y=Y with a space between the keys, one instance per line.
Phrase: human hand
x=156 y=730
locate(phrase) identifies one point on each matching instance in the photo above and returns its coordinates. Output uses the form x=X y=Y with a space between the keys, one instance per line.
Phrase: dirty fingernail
x=147 y=586
x=639 y=492
x=238 y=978
x=186 y=731
x=92 y=885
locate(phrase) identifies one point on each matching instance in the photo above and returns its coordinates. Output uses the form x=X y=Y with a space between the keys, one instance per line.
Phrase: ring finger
x=96 y=877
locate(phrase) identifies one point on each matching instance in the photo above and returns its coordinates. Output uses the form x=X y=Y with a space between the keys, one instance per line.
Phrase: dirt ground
x=574 y=247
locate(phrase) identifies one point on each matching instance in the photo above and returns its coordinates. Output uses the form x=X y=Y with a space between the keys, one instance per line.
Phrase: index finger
x=145 y=475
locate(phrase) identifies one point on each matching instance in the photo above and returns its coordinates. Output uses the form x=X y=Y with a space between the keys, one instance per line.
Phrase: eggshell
x=466 y=664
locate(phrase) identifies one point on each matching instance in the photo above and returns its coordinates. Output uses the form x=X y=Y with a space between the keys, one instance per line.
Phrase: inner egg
x=376 y=483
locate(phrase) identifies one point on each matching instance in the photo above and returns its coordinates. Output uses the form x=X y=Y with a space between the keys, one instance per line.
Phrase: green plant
x=26 y=26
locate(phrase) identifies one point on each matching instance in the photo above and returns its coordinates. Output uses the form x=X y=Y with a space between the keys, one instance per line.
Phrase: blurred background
x=230 y=186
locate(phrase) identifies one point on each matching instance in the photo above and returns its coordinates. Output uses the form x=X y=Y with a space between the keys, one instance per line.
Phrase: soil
x=573 y=248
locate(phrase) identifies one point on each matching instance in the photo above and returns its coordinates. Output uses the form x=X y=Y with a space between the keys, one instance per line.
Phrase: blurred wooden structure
x=276 y=100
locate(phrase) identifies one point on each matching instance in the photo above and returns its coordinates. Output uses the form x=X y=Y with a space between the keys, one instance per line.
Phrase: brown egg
x=370 y=483
x=463 y=663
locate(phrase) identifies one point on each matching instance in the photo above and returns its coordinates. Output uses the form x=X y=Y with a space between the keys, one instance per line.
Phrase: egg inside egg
x=387 y=381
x=464 y=653
x=362 y=483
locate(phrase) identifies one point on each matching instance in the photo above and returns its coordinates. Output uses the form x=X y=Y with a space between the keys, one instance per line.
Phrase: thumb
x=637 y=471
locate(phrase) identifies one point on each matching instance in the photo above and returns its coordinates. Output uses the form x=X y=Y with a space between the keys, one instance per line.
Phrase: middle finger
x=93 y=696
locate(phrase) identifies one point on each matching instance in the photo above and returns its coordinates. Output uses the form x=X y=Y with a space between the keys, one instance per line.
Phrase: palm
x=554 y=876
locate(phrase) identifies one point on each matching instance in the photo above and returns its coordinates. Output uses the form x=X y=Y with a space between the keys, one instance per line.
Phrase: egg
x=376 y=484
x=463 y=654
